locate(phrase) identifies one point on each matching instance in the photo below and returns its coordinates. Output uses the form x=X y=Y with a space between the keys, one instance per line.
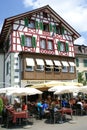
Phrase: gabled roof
x=9 y=21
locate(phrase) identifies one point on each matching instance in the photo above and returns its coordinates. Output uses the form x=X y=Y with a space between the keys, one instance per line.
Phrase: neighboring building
x=81 y=59
x=38 y=47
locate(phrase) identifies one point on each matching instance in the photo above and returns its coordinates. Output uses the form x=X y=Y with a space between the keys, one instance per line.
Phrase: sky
x=73 y=12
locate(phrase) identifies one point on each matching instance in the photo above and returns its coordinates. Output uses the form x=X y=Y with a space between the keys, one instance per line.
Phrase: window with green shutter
x=85 y=62
x=33 y=42
x=22 y=40
x=26 y=22
x=77 y=62
x=67 y=47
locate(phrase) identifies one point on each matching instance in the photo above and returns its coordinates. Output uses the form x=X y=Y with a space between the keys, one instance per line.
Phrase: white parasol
x=24 y=91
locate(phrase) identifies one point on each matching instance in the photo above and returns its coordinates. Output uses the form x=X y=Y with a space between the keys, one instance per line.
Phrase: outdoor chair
x=79 y=110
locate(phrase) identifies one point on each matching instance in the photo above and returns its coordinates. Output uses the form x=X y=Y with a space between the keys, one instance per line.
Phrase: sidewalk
x=80 y=123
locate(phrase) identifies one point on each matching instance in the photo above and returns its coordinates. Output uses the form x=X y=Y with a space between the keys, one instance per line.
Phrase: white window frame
x=71 y=69
x=28 y=41
x=39 y=64
x=30 y=66
x=49 y=44
x=43 y=43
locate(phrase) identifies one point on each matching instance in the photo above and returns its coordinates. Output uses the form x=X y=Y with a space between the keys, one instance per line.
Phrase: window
x=7 y=68
x=58 y=31
x=57 y=66
x=28 y=41
x=50 y=45
x=62 y=46
x=85 y=62
x=49 y=65
x=46 y=44
x=42 y=43
x=40 y=64
x=71 y=69
x=77 y=62
x=44 y=14
x=64 y=69
x=30 y=64
x=31 y=24
x=65 y=66
x=46 y=27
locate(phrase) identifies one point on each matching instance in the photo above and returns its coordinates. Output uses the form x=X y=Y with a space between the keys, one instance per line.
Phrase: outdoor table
x=19 y=115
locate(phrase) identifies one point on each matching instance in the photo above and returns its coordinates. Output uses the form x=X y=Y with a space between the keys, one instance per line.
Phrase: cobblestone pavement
x=78 y=123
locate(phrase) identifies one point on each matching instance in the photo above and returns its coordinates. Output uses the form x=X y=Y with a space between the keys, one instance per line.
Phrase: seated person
x=24 y=106
x=16 y=104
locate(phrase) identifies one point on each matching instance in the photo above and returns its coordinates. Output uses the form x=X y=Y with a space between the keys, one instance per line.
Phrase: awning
x=65 y=63
x=57 y=63
x=40 y=61
x=49 y=62
x=71 y=63
x=30 y=62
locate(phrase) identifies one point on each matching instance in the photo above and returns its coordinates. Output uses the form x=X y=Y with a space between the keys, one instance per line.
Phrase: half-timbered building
x=38 y=47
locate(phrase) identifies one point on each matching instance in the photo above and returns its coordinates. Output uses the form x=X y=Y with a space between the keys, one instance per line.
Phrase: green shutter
x=62 y=30
x=41 y=25
x=22 y=40
x=67 y=47
x=58 y=45
x=36 y=24
x=54 y=28
x=26 y=22
x=33 y=42
x=50 y=27
x=77 y=62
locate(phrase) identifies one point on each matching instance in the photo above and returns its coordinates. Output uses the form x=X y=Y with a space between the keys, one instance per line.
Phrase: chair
x=79 y=109
x=9 y=119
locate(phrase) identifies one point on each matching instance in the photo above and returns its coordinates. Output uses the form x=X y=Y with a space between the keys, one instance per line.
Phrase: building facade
x=81 y=59
x=38 y=46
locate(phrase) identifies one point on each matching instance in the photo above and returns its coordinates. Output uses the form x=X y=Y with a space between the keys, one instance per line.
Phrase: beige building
x=81 y=59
